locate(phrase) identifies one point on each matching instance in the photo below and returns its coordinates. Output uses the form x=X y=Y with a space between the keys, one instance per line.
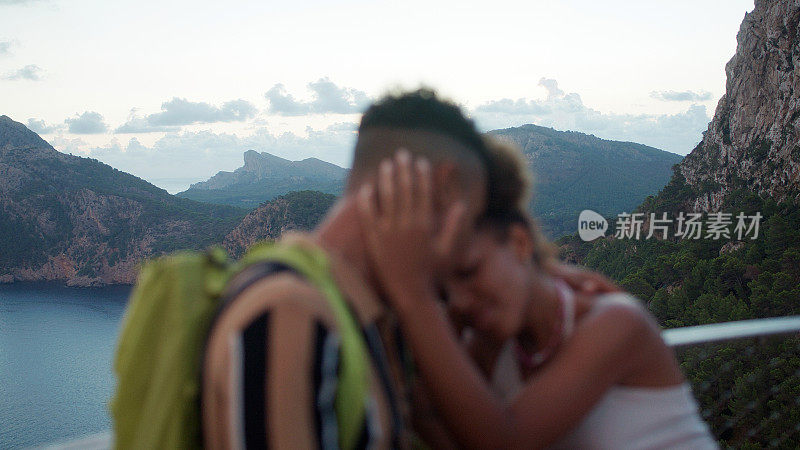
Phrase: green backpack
x=160 y=350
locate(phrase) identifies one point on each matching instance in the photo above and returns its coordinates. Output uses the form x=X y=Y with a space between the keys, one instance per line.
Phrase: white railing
x=99 y=441
x=696 y=345
x=702 y=334
x=746 y=377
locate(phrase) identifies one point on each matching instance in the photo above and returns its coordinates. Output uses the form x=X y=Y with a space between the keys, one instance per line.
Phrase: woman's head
x=493 y=289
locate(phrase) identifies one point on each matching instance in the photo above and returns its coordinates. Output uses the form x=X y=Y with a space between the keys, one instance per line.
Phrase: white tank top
x=642 y=418
x=626 y=417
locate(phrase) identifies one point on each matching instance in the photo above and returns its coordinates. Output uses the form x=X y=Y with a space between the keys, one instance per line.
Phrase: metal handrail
x=701 y=334
x=675 y=337
x=98 y=441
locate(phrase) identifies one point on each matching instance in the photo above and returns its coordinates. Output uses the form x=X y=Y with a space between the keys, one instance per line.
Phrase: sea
x=56 y=350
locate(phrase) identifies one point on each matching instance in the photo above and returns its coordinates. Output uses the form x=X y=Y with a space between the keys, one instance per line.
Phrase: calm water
x=56 y=346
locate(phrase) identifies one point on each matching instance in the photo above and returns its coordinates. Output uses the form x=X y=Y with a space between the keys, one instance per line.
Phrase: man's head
x=434 y=129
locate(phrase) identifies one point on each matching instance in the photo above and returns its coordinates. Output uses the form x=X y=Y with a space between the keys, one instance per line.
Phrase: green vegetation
x=691 y=282
x=759 y=150
x=575 y=171
x=263 y=177
x=89 y=212
x=251 y=194
x=306 y=208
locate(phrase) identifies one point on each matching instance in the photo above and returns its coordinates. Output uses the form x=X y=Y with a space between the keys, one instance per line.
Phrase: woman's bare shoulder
x=618 y=309
x=617 y=320
x=623 y=317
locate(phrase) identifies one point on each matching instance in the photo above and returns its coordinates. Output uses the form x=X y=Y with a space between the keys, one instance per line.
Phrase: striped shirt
x=271 y=368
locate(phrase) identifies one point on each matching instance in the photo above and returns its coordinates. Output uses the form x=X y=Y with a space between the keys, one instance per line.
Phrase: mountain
x=753 y=142
x=265 y=176
x=746 y=163
x=575 y=171
x=294 y=211
x=78 y=220
x=749 y=162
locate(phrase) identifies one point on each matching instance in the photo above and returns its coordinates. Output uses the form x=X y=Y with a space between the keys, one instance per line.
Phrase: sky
x=175 y=91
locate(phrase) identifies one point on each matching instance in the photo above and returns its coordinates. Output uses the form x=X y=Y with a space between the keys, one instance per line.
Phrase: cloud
x=141 y=125
x=682 y=96
x=176 y=160
x=328 y=98
x=284 y=104
x=552 y=88
x=180 y=111
x=18 y=2
x=89 y=122
x=39 y=126
x=677 y=133
x=5 y=48
x=30 y=72
x=138 y=124
x=67 y=145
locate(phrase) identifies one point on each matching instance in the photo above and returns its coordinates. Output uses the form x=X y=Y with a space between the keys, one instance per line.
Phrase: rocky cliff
x=294 y=211
x=78 y=220
x=265 y=176
x=753 y=142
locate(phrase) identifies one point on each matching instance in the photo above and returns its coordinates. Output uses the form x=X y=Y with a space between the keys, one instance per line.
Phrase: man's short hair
x=396 y=117
x=423 y=110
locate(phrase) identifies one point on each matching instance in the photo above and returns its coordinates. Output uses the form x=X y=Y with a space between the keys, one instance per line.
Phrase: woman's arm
x=609 y=345
x=482 y=350
x=427 y=422
x=601 y=352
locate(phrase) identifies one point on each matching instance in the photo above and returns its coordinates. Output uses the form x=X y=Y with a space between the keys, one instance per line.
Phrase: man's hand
x=398 y=223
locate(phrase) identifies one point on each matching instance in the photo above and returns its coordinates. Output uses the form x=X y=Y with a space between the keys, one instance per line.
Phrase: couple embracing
x=473 y=335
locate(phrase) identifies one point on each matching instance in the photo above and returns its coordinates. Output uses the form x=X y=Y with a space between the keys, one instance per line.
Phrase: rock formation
x=753 y=142
x=294 y=211
x=265 y=176
x=78 y=220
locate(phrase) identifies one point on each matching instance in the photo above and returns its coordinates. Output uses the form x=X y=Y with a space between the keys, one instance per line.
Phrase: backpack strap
x=247 y=277
x=236 y=285
x=312 y=265
x=376 y=349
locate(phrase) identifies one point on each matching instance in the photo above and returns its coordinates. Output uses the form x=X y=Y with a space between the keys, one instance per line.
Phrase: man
x=272 y=355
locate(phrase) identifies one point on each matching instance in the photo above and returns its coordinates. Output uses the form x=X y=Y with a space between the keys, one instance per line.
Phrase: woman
x=595 y=372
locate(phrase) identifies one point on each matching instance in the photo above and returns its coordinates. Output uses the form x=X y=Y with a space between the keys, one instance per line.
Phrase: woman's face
x=491 y=292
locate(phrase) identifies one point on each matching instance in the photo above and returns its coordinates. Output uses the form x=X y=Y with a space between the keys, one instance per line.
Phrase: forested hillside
x=264 y=177
x=295 y=211
x=748 y=162
x=81 y=221
x=575 y=171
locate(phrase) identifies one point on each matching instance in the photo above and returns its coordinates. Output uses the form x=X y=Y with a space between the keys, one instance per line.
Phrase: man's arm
x=427 y=422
